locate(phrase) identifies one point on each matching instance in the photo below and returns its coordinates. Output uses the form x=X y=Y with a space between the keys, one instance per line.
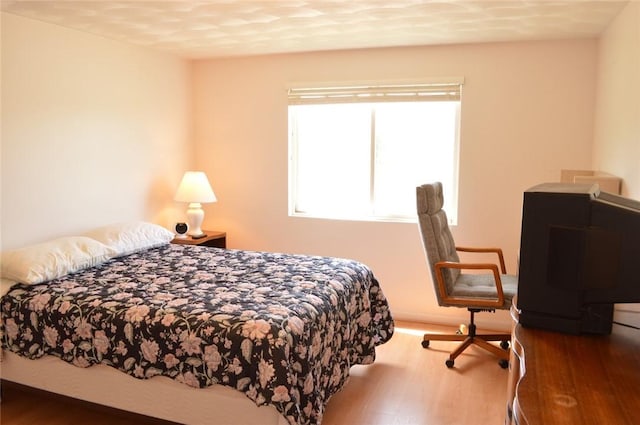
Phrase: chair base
x=472 y=338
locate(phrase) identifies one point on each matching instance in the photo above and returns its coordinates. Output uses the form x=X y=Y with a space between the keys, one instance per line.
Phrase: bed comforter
x=283 y=329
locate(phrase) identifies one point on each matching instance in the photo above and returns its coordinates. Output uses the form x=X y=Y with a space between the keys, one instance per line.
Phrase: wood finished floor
x=407 y=385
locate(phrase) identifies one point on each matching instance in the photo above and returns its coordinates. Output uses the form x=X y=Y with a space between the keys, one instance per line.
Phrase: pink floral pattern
x=283 y=329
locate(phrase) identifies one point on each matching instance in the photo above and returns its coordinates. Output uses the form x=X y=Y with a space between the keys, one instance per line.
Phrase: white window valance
x=437 y=91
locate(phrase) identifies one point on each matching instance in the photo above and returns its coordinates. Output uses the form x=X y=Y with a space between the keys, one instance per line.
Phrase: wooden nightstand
x=213 y=238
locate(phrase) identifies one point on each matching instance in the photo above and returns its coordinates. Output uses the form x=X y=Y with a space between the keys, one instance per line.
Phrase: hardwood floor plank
x=411 y=385
x=407 y=385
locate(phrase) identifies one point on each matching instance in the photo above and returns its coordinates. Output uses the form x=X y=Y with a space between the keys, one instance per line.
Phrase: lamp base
x=195 y=216
x=204 y=235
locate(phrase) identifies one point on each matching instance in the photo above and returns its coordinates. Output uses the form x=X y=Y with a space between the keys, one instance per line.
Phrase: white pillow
x=127 y=238
x=56 y=258
x=5 y=285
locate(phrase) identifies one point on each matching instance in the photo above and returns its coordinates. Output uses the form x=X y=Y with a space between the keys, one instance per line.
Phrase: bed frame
x=159 y=397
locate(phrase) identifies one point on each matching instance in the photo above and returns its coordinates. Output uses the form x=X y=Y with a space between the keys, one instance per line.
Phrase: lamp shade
x=195 y=188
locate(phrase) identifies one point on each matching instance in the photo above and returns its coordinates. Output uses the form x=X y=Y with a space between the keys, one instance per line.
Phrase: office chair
x=485 y=289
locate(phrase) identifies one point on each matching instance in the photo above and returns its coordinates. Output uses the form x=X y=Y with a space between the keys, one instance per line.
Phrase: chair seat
x=483 y=286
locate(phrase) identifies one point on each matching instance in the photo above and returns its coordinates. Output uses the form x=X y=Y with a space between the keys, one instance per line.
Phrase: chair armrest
x=464 y=301
x=497 y=251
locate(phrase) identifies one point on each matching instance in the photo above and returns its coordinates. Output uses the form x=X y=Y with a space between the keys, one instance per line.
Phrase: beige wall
x=96 y=131
x=616 y=147
x=93 y=131
x=527 y=113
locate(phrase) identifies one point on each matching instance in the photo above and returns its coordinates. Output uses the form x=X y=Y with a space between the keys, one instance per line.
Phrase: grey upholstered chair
x=484 y=289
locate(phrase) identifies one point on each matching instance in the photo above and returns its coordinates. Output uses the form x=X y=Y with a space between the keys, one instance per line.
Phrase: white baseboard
x=499 y=321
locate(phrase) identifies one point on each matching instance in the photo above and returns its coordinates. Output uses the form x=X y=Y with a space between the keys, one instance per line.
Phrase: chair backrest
x=436 y=237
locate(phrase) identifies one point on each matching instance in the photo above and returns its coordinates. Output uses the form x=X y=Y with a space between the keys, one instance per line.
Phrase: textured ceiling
x=215 y=28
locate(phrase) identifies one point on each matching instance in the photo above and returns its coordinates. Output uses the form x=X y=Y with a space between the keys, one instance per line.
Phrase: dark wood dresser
x=558 y=379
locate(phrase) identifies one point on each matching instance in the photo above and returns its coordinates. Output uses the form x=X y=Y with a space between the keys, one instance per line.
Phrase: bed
x=188 y=333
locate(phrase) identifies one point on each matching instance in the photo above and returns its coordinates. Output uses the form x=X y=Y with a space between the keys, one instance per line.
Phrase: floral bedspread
x=283 y=329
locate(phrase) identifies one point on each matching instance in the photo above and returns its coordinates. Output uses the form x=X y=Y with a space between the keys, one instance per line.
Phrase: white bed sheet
x=159 y=397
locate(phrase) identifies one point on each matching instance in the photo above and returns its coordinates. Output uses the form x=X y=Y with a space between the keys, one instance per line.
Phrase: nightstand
x=213 y=238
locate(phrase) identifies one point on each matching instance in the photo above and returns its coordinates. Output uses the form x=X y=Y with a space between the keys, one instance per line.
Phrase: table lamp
x=195 y=189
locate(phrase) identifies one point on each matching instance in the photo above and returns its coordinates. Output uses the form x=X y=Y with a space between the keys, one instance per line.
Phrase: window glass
x=363 y=161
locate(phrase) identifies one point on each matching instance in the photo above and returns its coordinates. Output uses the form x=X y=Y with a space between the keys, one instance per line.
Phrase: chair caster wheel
x=449 y=363
x=504 y=364
x=504 y=345
x=425 y=343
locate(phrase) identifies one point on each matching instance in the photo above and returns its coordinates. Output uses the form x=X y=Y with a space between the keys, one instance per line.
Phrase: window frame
x=400 y=92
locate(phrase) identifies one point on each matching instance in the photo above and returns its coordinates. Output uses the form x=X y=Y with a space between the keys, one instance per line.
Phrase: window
x=359 y=152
